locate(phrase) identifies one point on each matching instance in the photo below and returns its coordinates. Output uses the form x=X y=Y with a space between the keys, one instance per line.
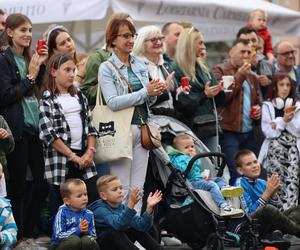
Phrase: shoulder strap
x=121 y=76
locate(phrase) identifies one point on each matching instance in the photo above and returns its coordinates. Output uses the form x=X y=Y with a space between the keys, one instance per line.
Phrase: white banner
x=45 y=11
x=217 y=19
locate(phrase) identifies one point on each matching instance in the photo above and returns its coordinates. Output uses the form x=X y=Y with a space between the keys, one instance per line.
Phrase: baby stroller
x=198 y=223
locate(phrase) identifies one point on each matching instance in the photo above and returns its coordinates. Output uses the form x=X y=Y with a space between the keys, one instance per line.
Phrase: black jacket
x=12 y=91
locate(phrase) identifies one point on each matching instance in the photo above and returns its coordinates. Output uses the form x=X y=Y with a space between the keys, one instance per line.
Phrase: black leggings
x=26 y=207
x=124 y=240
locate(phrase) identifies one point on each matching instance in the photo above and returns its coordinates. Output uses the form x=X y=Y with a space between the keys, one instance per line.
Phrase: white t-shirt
x=71 y=109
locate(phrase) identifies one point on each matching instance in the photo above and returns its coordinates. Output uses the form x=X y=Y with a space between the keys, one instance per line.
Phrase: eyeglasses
x=128 y=36
x=155 y=39
x=287 y=53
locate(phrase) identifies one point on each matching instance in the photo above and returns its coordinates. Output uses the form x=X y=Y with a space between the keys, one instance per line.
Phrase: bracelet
x=30 y=79
x=80 y=76
x=93 y=149
x=71 y=156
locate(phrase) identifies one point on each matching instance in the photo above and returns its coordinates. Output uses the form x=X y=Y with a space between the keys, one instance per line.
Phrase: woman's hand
x=78 y=161
x=88 y=158
x=169 y=81
x=43 y=54
x=35 y=63
x=211 y=91
x=288 y=116
x=81 y=67
x=156 y=87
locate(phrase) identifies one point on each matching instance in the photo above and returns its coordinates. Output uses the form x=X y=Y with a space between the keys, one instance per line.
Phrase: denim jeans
x=213 y=186
x=231 y=144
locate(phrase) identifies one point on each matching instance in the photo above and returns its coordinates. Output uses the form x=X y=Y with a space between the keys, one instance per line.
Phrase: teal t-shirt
x=247 y=121
x=29 y=103
x=136 y=85
x=20 y=61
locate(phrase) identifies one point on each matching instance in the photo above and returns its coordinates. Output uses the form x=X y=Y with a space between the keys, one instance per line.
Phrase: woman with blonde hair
x=199 y=105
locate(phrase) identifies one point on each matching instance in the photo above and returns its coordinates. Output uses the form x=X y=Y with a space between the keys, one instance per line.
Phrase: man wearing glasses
x=285 y=54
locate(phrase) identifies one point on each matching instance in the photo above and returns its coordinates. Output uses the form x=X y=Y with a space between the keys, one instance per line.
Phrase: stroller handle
x=203 y=155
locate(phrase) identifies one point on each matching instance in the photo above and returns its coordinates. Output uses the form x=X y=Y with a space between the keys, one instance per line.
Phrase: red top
x=266 y=36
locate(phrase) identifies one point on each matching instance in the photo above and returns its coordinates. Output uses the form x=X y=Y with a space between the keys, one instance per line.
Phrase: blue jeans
x=213 y=186
x=231 y=144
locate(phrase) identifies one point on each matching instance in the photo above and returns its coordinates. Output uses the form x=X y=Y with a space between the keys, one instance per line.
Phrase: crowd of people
x=48 y=139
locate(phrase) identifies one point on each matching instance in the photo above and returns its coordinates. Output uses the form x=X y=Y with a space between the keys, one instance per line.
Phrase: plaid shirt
x=53 y=125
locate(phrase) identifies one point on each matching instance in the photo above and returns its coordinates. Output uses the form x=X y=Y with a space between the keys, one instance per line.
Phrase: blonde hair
x=179 y=138
x=185 y=56
x=253 y=13
x=104 y=180
x=65 y=190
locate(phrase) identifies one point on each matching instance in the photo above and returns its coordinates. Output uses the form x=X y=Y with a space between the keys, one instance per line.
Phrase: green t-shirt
x=136 y=85
x=20 y=61
x=29 y=103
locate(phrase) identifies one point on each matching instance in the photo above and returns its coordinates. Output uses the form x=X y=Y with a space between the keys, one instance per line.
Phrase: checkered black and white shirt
x=53 y=125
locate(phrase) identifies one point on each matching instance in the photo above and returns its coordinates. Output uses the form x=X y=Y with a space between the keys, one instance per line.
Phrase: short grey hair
x=143 y=34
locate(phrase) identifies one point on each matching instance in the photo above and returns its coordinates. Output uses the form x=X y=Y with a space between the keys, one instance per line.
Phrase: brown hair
x=13 y=21
x=104 y=180
x=179 y=138
x=273 y=88
x=65 y=190
x=113 y=29
x=49 y=83
x=51 y=39
x=242 y=153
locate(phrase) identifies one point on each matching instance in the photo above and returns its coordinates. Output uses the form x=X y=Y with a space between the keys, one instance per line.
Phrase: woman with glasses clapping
x=150 y=48
x=124 y=83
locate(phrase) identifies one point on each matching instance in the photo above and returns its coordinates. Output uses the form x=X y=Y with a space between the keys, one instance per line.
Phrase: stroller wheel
x=214 y=242
x=249 y=242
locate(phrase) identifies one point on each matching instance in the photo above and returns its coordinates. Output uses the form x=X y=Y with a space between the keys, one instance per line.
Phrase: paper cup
x=227 y=81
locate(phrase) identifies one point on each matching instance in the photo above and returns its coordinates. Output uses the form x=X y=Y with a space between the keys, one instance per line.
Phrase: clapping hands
x=84 y=226
x=153 y=199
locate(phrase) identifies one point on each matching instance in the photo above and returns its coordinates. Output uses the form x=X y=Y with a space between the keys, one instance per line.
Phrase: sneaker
x=43 y=241
x=230 y=211
x=171 y=241
x=231 y=191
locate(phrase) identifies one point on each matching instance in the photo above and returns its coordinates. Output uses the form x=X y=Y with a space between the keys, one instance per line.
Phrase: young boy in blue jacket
x=74 y=226
x=180 y=155
x=117 y=225
x=260 y=199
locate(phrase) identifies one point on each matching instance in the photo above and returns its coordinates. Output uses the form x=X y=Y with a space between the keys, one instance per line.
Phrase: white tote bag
x=114 y=139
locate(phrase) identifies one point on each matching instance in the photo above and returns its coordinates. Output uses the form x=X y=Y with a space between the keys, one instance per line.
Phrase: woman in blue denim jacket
x=120 y=36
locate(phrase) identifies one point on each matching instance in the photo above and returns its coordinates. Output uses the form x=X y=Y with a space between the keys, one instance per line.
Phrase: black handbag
x=204 y=126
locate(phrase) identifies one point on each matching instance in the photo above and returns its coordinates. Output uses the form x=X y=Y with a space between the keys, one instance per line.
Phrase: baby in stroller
x=180 y=155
